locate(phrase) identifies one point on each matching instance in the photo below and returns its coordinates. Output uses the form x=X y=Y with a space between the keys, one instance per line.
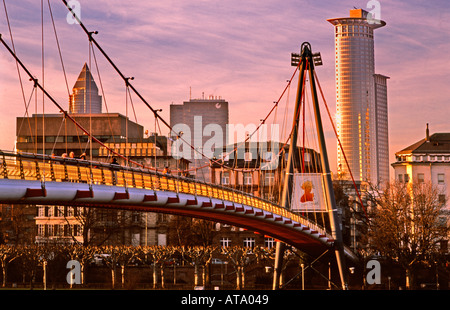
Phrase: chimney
x=427 y=137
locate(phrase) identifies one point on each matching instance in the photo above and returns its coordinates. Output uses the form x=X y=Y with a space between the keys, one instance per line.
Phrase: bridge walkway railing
x=26 y=166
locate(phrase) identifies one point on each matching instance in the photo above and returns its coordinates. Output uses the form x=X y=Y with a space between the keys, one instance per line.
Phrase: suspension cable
x=19 y=75
x=66 y=114
x=59 y=47
x=155 y=112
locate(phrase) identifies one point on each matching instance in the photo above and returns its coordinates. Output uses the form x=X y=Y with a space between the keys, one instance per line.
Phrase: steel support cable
x=287 y=87
x=57 y=136
x=43 y=95
x=267 y=116
x=142 y=98
x=59 y=48
x=91 y=39
x=340 y=145
x=66 y=114
x=27 y=105
x=292 y=132
x=284 y=144
x=129 y=84
x=103 y=95
x=18 y=71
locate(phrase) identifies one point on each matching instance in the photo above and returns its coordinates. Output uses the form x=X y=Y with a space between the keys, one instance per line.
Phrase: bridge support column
x=288 y=180
x=278 y=265
x=307 y=64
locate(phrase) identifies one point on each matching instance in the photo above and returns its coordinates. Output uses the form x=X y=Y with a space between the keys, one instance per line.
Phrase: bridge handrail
x=20 y=166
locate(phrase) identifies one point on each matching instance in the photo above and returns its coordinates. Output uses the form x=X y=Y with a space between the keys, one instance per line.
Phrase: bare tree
x=188 y=231
x=157 y=255
x=126 y=256
x=405 y=224
x=98 y=225
x=7 y=255
x=83 y=254
x=198 y=256
x=115 y=256
x=239 y=257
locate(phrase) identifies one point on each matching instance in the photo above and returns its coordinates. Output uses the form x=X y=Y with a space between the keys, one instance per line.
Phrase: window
x=400 y=178
x=249 y=242
x=162 y=218
x=50 y=230
x=77 y=231
x=59 y=230
x=136 y=217
x=269 y=242
x=420 y=178
x=442 y=199
x=406 y=178
x=59 y=211
x=41 y=230
x=248 y=156
x=70 y=230
x=41 y=211
x=225 y=178
x=135 y=239
x=441 y=178
x=69 y=211
x=269 y=178
x=225 y=242
x=247 y=178
x=225 y=156
x=307 y=157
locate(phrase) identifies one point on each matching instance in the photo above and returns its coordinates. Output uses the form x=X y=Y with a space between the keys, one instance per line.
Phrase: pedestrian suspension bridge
x=51 y=180
x=38 y=179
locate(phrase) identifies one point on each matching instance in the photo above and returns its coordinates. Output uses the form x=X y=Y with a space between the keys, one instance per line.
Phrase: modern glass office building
x=361 y=99
x=85 y=98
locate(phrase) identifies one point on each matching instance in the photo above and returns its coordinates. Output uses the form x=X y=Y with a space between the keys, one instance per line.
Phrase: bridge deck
x=40 y=179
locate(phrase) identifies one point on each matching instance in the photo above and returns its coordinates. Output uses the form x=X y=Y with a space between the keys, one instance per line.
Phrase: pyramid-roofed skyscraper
x=85 y=98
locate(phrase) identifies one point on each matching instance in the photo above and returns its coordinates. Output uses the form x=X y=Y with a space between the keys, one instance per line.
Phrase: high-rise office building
x=203 y=122
x=382 y=131
x=85 y=98
x=361 y=99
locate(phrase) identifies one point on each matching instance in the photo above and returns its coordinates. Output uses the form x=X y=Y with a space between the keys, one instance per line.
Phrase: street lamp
x=317 y=59
x=154 y=152
x=154 y=144
x=295 y=59
x=177 y=159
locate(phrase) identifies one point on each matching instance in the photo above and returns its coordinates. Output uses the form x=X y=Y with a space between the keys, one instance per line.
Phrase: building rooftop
x=437 y=143
x=85 y=79
x=358 y=14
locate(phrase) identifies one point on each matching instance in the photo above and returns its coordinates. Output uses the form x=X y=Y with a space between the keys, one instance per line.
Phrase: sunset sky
x=239 y=50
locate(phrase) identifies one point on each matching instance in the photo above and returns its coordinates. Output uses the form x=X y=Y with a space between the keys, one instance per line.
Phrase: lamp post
x=154 y=135
x=303 y=276
x=154 y=153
